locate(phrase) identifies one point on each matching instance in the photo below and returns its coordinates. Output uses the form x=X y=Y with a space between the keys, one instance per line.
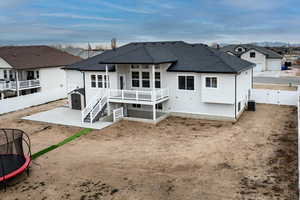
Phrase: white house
x=153 y=79
x=265 y=59
x=29 y=69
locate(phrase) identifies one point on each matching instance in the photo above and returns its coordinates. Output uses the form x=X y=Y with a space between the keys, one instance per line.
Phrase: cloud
x=73 y=16
x=123 y=8
x=254 y=4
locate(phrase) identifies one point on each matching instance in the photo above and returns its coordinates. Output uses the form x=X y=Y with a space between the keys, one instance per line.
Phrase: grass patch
x=65 y=141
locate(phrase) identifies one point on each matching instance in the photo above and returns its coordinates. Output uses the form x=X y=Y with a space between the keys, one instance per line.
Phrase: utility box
x=251 y=105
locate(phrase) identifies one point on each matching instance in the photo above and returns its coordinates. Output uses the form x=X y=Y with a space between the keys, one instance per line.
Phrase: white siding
x=223 y=94
x=190 y=101
x=90 y=92
x=244 y=85
x=74 y=80
x=52 y=78
x=274 y=64
x=259 y=60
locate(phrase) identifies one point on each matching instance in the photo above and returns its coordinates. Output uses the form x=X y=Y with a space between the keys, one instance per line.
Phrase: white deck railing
x=139 y=95
x=22 y=85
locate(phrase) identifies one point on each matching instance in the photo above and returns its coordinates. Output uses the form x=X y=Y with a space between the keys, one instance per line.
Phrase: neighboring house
x=265 y=59
x=155 y=78
x=29 y=69
x=83 y=53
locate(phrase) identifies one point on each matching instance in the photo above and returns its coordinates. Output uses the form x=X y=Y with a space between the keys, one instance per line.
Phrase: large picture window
x=146 y=79
x=157 y=80
x=186 y=82
x=211 y=82
x=100 y=81
x=93 y=81
x=135 y=77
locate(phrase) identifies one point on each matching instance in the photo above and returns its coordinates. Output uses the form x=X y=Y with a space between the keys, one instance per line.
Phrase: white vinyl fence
x=118 y=114
x=278 y=97
x=21 y=102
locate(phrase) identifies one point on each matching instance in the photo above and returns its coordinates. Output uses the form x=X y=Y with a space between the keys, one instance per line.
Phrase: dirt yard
x=179 y=159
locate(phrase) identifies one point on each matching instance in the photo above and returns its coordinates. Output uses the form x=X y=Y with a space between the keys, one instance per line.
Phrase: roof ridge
x=220 y=57
x=148 y=53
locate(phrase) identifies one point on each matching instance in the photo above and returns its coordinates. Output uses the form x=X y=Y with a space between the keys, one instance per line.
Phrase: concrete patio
x=65 y=116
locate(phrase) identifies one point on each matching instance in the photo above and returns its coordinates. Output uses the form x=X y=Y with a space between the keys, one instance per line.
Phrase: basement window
x=239 y=106
x=159 y=106
x=136 y=105
x=211 y=82
x=252 y=55
x=186 y=82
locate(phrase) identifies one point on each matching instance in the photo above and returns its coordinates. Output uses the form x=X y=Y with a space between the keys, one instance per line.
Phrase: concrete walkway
x=65 y=116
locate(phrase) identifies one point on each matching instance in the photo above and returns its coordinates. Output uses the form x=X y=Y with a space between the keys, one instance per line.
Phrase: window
x=135 y=76
x=146 y=79
x=100 y=81
x=136 y=105
x=157 y=80
x=37 y=73
x=186 y=82
x=5 y=74
x=211 y=82
x=93 y=81
x=252 y=54
x=135 y=66
x=159 y=106
x=11 y=75
x=145 y=67
x=106 y=81
x=240 y=49
x=239 y=106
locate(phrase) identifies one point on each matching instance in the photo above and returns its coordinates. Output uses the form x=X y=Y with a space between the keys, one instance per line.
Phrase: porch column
x=17 y=82
x=1 y=95
x=106 y=74
x=153 y=77
x=154 y=112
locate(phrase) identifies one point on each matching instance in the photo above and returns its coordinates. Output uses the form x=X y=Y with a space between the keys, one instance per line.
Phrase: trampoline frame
x=25 y=166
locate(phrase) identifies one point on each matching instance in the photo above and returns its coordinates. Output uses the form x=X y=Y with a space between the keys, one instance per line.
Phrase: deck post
x=108 y=109
x=154 y=112
x=17 y=82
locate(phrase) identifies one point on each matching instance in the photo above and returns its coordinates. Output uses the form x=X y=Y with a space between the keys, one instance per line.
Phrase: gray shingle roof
x=183 y=56
x=269 y=53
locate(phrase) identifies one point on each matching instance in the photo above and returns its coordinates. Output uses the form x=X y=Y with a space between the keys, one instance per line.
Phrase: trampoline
x=15 y=153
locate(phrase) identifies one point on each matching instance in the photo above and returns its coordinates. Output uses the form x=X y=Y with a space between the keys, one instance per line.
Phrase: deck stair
x=95 y=109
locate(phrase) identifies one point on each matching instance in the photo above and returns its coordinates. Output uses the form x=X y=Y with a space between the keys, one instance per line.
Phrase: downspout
x=235 y=97
x=83 y=76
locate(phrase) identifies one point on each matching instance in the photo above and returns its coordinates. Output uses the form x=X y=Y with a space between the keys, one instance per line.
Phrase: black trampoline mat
x=10 y=163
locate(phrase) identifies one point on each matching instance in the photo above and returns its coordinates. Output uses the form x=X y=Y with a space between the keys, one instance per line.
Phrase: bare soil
x=255 y=158
x=275 y=87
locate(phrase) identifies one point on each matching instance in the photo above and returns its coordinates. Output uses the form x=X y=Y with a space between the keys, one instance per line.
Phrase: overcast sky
x=76 y=21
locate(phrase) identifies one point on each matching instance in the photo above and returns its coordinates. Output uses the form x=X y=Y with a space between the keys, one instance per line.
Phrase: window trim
x=204 y=82
x=186 y=75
